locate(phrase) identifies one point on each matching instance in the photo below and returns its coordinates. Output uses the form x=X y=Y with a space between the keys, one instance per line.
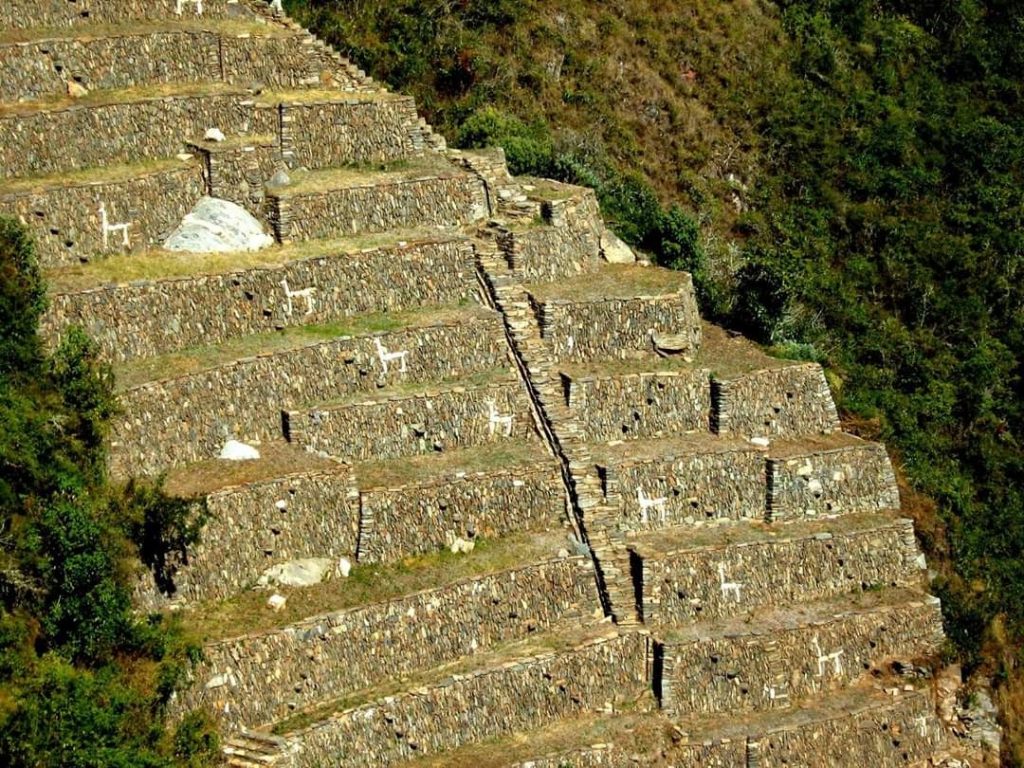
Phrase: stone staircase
x=514 y=505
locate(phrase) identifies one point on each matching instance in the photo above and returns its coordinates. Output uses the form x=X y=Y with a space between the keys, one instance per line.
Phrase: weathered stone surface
x=307 y=572
x=613 y=250
x=218 y=226
x=328 y=656
x=149 y=318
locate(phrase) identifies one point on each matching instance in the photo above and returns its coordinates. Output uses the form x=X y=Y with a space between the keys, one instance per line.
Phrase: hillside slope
x=855 y=171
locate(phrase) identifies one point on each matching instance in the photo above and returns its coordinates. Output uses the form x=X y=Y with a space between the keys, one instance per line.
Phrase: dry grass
x=415 y=389
x=229 y=27
x=159 y=264
x=490 y=458
x=630 y=451
x=111 y=174
x=612 y=281
x=315 y=182
x=247 y=613
x=318 y=95
x=196 y=359
x=122 y=96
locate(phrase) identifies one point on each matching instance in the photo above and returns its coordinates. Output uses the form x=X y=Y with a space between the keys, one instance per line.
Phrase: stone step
x=77 y=217
x=160 y=302
x=181 y=408
x=490 y=408
x=702 y=479
x=692 y=575
x=774 y=661
x=567 y=675
x=428 y=192
x=855 y=727
x=263 y=677
x=618 y=312
x=40 y=63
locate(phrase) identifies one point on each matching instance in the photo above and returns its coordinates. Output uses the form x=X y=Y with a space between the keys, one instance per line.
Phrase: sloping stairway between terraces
x=553 y=518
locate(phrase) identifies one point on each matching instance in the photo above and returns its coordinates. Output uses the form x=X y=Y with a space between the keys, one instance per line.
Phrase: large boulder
x=306 y=572
x=218 y=226
x=614 y=250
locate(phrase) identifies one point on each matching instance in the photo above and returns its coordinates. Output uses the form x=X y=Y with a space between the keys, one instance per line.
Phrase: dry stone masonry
x=492 y=494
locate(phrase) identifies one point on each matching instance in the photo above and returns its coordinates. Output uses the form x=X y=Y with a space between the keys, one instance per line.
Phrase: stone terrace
x=515 y=504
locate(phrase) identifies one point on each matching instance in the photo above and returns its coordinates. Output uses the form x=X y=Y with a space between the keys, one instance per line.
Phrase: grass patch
x=491 y=458
x=414 y=389
x=611 y=281
x=230 y=27
x=316 y=182
x=111 y=174
x=122 y=96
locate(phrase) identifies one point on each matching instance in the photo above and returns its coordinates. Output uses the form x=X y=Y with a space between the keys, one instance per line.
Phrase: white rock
x=614 y=251
x=214 y=134
x=77 y=90
x=805 y=471
x=227 y=678
x=344 y=567
x=281 y=504
x=460 y=545
x=563 y=553
x=233 y=450
x=761 y=441
x=218 y=226
x=305 y=572
x=276 y=602
x=814 y=486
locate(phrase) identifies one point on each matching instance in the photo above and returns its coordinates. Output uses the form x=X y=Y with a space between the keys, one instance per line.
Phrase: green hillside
x=845 y=180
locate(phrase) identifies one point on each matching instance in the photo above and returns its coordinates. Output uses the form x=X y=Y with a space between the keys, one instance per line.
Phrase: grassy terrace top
x=158 y=264
x=247 y=613
x=612 y=281
x=488 y=458
x=231 y=27
x=276 y=460
x=142 y=370
x=122 y=96
x=428 y=165
x=504 y=375
x=563 y=639
x=111 y=174
x=617 y=451
x=721 y=353
x=659 y=543
x=784 y=449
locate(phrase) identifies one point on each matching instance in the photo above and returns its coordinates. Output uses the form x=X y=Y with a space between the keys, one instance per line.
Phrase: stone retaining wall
x=855 y=478
x=189 y=418
x=692 y=584
x=253 y=527
x=377 y=206
x=332 y=133
x=761 y=669
x=726 y=482
x=640 y=406
x=567 y=244
x=410 y=425
x=149 y=128
x=149 y=318
x=777 y=403
x=239 y=171
x=618 y=328
x=516 y=696
x=21 y=14
x=261 y=678
x=419 y=517
x=67 y=224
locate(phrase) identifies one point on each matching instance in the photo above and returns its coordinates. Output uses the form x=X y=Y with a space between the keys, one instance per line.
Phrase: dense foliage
x=83 y=681
x=857 y=169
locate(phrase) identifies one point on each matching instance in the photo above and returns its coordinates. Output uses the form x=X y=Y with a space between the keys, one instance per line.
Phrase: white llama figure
x=773 y=693
x=824 y=659
x=647 y=504
x=496 y=420
x=305 y=293
x=179 y=5
x=729 y=587
x=389 y=357
x=108 y=229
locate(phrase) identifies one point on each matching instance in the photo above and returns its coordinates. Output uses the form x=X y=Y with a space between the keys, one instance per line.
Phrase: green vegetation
x=83 y=681
x=856 y=171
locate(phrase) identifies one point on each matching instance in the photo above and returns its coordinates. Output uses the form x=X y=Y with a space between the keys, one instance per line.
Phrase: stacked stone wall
x=332 y=133
x=390 y=428
x=764 y=669
x=285 y=61
x=858 y=477
x=253 y=527
x=67 y=224
x=146 y=129
x=640 y=406
x=22 y=14
x=777 y=402
x=725 y=483
x=260 y=678
x=618 y=328
x=447 y=199
x=239 y=172
x=419 y=517
x=149 y=318
x=691 y=585
x=516 y=696
x=175 y=421
x=566 y=245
